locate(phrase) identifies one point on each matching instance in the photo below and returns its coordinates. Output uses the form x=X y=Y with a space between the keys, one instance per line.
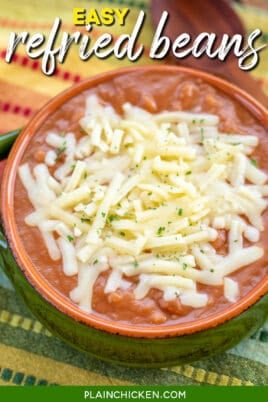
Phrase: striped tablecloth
x=29 y=354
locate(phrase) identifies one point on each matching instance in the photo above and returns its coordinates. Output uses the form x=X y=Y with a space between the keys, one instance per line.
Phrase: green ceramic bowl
x=123 y=344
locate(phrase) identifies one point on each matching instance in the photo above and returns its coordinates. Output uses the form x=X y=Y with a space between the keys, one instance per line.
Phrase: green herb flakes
x=85 y=219
x=112 y=218
x=160 y=230
x=60 y=151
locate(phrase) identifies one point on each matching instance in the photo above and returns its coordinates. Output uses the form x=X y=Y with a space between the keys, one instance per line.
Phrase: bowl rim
x=51 y=294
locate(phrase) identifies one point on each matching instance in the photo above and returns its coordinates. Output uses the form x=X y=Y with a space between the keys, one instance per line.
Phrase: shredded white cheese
x=144 y=195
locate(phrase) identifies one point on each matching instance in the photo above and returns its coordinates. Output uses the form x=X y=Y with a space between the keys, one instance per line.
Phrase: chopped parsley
x=188 y=172
x=254 y=162
x=60 y=151
x=212 y=270
x=160 y=230
x=180 y=211
x=84 y=219
x=122 y=233
x=136 y=264
x=176 y=293
x=112 y=218
x=70 y=238
x=103 y=214
x=184 y=266
x=95 y=262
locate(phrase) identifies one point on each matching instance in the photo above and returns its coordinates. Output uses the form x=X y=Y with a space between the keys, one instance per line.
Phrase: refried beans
x=154 y=92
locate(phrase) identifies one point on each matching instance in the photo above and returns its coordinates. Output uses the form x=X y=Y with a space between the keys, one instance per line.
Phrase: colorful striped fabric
x=29 y=354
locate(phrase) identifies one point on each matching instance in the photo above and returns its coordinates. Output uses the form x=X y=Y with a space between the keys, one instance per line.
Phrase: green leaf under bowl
x=6 y=142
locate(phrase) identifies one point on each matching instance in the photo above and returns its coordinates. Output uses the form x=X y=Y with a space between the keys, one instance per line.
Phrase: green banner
x=134 y=393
